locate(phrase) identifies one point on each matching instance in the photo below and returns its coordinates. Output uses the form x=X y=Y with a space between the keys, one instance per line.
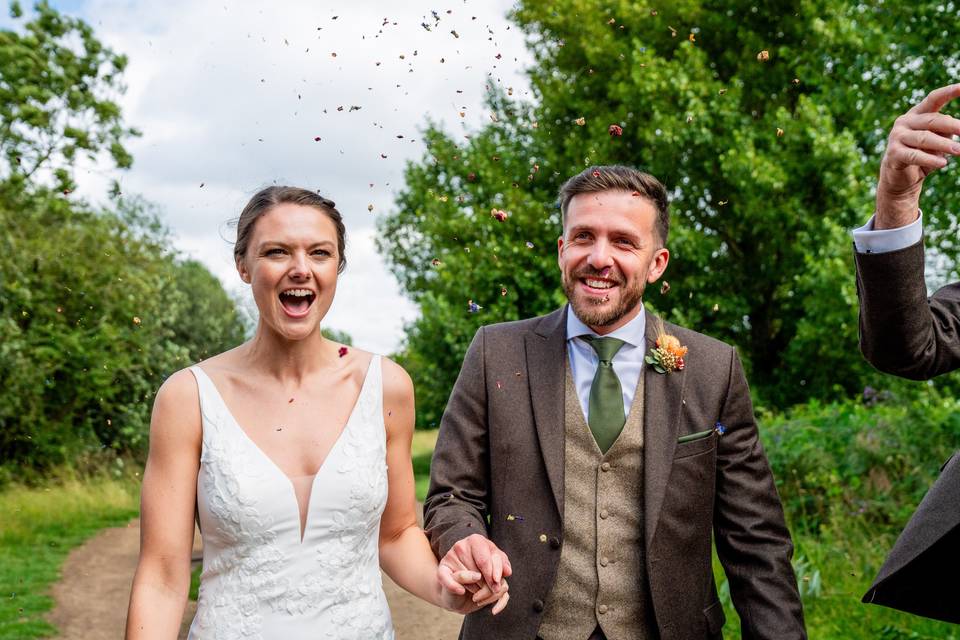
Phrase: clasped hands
x=473 y=575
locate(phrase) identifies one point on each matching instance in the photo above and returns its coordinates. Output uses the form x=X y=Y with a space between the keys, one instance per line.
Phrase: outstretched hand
x=920 y=142
x=472 y=575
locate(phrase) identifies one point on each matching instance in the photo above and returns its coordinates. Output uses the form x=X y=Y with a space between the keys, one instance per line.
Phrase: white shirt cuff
x=869 y=240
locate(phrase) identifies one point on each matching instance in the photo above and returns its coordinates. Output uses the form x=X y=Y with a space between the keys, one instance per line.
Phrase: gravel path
x=91 y=598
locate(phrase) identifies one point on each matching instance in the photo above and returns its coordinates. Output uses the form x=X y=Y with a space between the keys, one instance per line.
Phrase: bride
x=293 y=454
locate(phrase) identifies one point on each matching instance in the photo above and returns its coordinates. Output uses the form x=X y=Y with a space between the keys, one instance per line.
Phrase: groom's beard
x=597 y=312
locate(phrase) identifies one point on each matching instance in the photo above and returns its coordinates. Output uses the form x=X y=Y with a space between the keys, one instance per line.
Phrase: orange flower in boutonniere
x=668 y=353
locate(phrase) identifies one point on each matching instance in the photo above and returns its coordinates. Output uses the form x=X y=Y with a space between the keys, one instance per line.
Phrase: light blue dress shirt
x=870 y=240
x=627 y=363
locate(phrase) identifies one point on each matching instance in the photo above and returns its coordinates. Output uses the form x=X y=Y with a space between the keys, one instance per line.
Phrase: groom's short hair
x=618 y=177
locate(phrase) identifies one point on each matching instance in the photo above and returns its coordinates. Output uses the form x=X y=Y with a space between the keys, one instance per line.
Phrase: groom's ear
x=658 y=264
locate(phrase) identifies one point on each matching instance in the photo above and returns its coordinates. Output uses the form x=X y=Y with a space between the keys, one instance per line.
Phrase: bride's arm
x=167 y=503
x=405 y=553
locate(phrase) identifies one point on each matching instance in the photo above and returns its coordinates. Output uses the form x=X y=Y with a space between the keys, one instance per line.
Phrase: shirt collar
x=633 y=333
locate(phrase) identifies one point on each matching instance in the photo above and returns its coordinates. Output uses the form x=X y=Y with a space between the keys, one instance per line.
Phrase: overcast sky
x=230 y=97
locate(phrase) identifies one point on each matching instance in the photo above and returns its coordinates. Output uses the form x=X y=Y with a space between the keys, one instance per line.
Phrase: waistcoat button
x=604 y=514
x=602 y=608
x=605 y=466
x=538 y=606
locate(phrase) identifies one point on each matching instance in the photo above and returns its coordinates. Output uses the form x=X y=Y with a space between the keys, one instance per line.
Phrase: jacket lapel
x=662 y=398
x=545 y=351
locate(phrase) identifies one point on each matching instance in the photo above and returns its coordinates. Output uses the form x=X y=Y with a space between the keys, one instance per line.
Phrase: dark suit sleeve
x=752 y=539
x=456 y=504
x=902 y=331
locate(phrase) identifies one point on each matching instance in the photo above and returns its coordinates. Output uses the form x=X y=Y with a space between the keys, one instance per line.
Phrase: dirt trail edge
x=91 y=597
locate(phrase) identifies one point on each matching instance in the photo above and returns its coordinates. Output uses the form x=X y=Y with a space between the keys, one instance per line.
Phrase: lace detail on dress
x=259 y=582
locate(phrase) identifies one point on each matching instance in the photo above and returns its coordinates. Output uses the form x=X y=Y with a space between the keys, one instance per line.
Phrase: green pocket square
x=695 y=436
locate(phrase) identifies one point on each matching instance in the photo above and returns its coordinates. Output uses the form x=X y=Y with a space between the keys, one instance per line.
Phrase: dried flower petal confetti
x=473 y=307
x=342 y=351
x=615 y=130
x=498 y=214
x=763 y=56
x=580 y=121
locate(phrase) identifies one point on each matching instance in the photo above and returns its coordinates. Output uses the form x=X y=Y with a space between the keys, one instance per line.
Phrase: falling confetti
x=503 y=291
x=529 y=245
x=596 y=174
x=136 y=320
x=763 y=56
x=316 y=139
x=615 y=130
x=664 y=288
x=692 y=38
x=369 y=207
x=454 y=33
x=342 y=351
x=498 y=214
x=436 y=262
x=580 y=121
x=779 y=132
x=473 y=307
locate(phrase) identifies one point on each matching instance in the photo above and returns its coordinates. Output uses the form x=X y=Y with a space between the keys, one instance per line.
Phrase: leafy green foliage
x=766 y=125
x=58 y=92
x=95 y=311
x=850 y=476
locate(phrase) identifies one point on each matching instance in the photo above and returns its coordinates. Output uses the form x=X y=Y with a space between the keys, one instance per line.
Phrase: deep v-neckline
x=304 y=524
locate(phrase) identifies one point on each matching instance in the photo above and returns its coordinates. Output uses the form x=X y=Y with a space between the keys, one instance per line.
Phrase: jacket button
x=605 y=466
x=554 y=542
x=538 y=606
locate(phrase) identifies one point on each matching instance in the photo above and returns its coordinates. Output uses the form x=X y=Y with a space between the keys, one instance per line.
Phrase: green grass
x=422 y=452
x=38 y=527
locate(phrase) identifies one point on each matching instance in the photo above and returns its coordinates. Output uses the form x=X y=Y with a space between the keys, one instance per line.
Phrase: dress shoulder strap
x=211 y=404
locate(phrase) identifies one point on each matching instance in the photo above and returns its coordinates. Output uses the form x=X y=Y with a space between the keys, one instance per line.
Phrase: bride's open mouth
x=297 y=302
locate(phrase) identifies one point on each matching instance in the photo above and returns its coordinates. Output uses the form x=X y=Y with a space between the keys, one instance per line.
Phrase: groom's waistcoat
x=602 y=576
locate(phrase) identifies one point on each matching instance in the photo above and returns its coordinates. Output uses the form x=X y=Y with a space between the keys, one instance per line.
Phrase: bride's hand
x=464 y=591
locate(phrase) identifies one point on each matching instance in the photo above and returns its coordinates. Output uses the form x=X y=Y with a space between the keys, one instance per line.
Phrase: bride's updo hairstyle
x=265 y=199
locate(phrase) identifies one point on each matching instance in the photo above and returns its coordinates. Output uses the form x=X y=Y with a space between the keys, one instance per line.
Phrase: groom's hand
x=919 y=143
x=477 y=553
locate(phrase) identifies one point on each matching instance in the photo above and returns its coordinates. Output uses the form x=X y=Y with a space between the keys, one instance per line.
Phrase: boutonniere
x=667 y=354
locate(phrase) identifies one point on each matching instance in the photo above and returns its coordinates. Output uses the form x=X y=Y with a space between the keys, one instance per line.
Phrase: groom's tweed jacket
x=499 y=468
x=904 y=333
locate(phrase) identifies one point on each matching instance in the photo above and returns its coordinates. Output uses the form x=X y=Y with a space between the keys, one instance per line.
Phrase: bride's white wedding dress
x=260 y=580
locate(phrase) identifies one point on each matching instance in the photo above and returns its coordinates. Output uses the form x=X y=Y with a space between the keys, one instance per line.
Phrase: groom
x=591 y=454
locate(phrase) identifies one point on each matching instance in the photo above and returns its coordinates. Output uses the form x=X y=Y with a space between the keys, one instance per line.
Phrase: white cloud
x=228 y=95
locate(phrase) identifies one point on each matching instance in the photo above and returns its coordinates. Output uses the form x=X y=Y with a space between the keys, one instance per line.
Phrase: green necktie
x=606 y=397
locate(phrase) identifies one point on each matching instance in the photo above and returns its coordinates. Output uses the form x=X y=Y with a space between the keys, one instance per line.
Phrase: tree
x=747 y=115
x=96 y=307
x=95 y=312
x=57 y=99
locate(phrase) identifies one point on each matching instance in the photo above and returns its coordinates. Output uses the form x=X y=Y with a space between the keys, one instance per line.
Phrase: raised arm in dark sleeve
x=456 y=504
x=901 y=330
